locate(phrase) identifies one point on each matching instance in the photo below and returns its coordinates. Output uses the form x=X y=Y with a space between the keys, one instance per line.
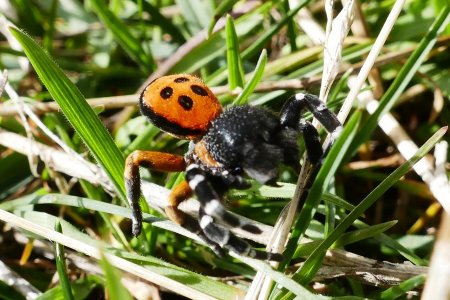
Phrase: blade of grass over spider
x=176 y=279
x=254 y=80
x=77 y=111
x=403 y=78
x=116 y=291
x=328 y=169
x=221 y=9
x=124 y=37
x=234 y=62
x=61 y=267
x=312 y=264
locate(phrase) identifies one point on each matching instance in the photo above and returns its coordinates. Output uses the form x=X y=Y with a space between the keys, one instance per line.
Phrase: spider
x=226 y=146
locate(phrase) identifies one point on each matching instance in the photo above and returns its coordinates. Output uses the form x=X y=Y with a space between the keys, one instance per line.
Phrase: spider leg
x=153 y=160
x=210 y=200
x=211 y=208
x=226 y=239
x=291 y=116
x=178 y=194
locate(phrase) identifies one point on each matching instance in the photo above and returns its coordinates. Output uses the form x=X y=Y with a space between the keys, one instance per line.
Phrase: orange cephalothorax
x=180 y=104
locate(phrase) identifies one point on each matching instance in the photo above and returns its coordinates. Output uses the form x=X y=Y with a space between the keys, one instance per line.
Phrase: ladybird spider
x=224 y=147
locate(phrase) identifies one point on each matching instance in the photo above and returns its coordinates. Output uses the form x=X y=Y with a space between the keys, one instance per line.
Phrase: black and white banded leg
x=227 y=240
x=292 y=116
x=210 y=200
x=212 y=209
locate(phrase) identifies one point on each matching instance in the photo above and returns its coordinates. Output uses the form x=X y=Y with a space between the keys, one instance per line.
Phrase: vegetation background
x=72 y=71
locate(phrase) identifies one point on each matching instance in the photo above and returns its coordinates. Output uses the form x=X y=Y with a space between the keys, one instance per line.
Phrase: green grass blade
x=50 y=30
x=258 y=44
x=286 y=190
x=196 y=13
x=313 y=262
x=304 y=250
x=361 y=234
x=403 y=78
x=404 y=287
x=42 y=224
x=234 y=62
x=282 y=279
x=254 y=80
x=81 y=289
x=163 y=22
x=116 y=290
x=124 y=37
x=290 y=27
x=74 y=201
x=224 y=6
x=77 y=111
x=330 y=165
x=61 y=267
x=215 y=46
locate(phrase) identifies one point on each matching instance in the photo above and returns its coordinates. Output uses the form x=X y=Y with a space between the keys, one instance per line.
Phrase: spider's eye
x=180 y=104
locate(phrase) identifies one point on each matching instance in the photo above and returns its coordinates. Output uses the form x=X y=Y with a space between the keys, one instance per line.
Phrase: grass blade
x=282 y=279
x=313 y=262
x=179 y=280
x=116 y=290
x=220 y=10
x=403 y=78
x=77 y=111
x=401 y=289
x=254 y=80
x=258 y=44
x=235 y=68
x=163 y=22
x=124 y=37
x=332 y=161
x=365 y=233
x=61 y=267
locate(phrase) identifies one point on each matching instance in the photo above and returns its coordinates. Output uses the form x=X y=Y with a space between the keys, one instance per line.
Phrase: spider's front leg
x=292 y=116
x=212 y=209
x=168 y=163
x=153 y=160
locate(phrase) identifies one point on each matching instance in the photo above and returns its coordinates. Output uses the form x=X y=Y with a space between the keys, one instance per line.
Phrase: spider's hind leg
x=211 y=209
x=178 y=194
x=226 y=239
x=292 y=116
x=210 y=200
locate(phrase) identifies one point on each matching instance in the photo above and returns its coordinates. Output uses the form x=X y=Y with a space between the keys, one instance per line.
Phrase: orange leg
x=153 y=160
x=178 y=194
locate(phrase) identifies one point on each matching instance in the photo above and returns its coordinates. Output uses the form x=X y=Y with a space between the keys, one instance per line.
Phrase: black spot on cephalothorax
x=199 y=90
x=185 y=102
x=166 y=92
x=181 y=79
